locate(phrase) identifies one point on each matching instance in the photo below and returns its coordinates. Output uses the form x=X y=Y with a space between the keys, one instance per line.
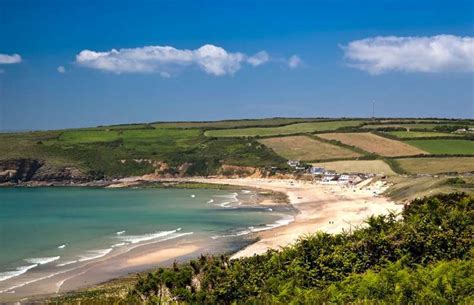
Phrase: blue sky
x=317 y=58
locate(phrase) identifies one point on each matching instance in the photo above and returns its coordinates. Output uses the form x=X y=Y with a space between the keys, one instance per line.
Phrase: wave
x=119 y=232
x=42 y=260
x=119 y=245
x=62 y=246
x=224 y=204
x=67 y=263
x=93 y=254
x=240 y=233
x=145 y=237
x=210 y=201
x=279 y=223
x=18 y=271
x=246 y=191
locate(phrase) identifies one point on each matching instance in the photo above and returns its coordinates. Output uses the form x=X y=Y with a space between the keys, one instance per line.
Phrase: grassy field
x=445 y=146
x=437 y=165
x=358 y=166
x=421 y=134
x=283 y=130
x=374 y=144
x=233 y=123
x=306 y=149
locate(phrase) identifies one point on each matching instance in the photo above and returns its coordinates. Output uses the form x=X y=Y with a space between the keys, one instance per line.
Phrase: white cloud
x=165 y=60
x=9 y=59
x=258 y=59
x=412 y=54
x=61 y=69
x=294 y=62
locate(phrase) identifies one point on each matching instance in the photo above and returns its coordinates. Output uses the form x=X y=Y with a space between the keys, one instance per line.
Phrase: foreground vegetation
x=422 y=257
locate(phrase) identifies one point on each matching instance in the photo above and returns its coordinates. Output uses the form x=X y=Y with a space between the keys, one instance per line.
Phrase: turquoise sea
x=52 y=228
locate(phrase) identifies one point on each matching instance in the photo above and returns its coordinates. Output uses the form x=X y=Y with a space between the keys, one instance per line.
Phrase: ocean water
x=57 y=228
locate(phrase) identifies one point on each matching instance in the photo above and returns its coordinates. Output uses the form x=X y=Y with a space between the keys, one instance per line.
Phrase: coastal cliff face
x=18 y=171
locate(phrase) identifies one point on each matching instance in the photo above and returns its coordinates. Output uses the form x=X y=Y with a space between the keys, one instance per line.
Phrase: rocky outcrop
x=29 y=170
x=18 y=170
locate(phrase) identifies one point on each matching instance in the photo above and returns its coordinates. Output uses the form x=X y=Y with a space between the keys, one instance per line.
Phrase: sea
x=45 y=231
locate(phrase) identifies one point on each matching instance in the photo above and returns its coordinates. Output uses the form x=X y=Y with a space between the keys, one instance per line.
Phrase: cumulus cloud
x=294 y=62
x=411 y=54
x=9 y=59
x=165 y=60
x=61 y=69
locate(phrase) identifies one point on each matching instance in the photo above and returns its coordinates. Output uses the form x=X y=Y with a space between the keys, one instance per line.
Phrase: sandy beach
x=329 y=208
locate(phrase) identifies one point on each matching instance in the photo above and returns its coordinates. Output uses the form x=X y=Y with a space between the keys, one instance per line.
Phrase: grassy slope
x=103 y=151
x=283 y=130
x=445 y=146
x=405 y=189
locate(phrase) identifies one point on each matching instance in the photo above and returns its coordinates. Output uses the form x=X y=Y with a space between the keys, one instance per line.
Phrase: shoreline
x=329 y=208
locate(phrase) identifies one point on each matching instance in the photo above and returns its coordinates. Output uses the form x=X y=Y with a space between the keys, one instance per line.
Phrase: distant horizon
x=239 y=119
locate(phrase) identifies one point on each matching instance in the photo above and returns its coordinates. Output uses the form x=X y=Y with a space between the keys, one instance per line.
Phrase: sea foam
x=42 y=260
x=18 y=271
x=93 y=254
x=145 y=237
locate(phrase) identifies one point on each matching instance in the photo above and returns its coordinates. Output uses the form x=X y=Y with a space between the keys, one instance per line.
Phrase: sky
x=86 y=63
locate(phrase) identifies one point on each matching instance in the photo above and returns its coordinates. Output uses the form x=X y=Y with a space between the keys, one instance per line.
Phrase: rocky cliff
x=17 y=171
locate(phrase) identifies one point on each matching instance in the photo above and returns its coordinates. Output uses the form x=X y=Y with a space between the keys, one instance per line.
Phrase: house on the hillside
x=317 y=170
x=293 y=163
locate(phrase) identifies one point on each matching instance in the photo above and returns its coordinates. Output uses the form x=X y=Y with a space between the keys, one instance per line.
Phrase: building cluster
x=328 y=176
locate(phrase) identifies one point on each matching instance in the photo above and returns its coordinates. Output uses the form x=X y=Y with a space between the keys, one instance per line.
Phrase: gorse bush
x=423 y=256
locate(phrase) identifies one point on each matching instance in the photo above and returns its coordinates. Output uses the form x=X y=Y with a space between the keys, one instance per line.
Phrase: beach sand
x=329 y=208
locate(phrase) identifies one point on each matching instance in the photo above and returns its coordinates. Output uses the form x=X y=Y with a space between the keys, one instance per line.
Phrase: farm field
x=445 y=146
x=437 y=165
x=232 y=123
x=283 y=130
x=421 y=134
x=374 y=144
x=358 y=166
x=427 y=126
x=304 y=148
